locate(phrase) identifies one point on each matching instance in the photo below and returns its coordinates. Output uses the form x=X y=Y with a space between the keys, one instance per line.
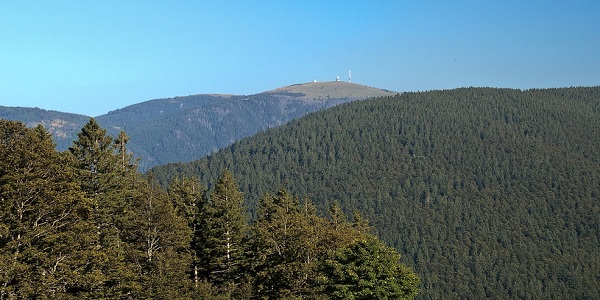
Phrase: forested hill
x=488 y=193
x=63 y=126
x=187 y=128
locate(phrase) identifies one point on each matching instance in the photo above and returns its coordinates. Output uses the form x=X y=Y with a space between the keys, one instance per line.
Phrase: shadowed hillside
x=488 y=193
x=187 y=128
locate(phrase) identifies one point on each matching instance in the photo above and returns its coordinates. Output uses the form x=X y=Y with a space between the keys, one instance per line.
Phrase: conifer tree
x=109 y=179
x=338 y=219
x=368 y=269
x=340 y=232
x=159 y=241
x=45 y=230
x=95 y=157
x=222 y=231
x=127 y=162
x=360 y=224
x=188 y=195
x=288 y=239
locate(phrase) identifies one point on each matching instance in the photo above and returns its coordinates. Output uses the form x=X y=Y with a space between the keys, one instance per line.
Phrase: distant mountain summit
x=331 y=89
x=185 y=128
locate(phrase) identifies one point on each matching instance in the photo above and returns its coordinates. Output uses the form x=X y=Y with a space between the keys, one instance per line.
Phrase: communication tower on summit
x=350 y=76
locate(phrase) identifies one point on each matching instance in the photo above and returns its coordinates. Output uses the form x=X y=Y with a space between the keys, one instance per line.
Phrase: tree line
x=84 y=223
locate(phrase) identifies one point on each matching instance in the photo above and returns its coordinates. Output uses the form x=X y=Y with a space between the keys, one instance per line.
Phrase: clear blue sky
x=90 y=57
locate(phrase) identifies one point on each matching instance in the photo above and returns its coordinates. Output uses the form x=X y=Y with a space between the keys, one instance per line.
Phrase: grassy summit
x=333 y=89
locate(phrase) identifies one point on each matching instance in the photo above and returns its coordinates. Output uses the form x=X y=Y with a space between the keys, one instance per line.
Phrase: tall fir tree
x=223 y=229
x=188 y=196
x=95 y=158
x=159 y=242
x=109 y=179
x=127 y=162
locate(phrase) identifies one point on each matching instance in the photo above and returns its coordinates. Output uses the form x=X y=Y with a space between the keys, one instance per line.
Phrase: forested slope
x=182 y=129
x=488 y=193
x=63 y=126
x=84 y=224
x=186 y=128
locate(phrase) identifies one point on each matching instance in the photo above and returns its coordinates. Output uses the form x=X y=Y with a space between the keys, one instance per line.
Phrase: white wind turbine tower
x=350 y=76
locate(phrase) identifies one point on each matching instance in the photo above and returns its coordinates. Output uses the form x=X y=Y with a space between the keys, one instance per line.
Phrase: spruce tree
x=368 y=269
x=222 y=231
x=109 y=179
x=95 y=157
x=127 y=162
x=187 y=196
x=159 y=242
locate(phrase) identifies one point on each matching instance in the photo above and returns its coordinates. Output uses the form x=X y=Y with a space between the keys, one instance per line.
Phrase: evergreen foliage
x=45 y=226
x=223 y=229
x=490 y=193
x=84 y=224
x=62 y=125
x=169 y=130
x=368 y=269
x=287 y=238
x=107 y=185
x=158 y=246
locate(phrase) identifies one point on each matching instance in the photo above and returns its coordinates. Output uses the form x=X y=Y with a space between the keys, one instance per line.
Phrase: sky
x=91 y=57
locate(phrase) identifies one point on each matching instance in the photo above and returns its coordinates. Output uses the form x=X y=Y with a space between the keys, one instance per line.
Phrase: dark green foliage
x=186 y=128
x=45 y=228
x=287 y=240
x=95 y=160
x=489 y=193
x=188 y=198
x=293 y=251
x=84 y=224
x=158 y=245
x=109 y=185
x=222 y=231
x=180 y=128
x=368 y=269
x=141 y=238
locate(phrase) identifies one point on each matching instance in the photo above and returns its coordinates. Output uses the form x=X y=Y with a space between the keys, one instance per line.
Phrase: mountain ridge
x=332 y=89
x=203 y=122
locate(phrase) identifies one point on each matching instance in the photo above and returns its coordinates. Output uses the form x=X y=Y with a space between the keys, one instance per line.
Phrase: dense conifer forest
x=487 y=193
x=85 y=224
